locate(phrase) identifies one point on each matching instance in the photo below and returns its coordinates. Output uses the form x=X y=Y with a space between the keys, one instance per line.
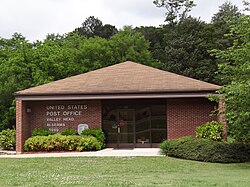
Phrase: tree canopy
x=24 y=64
x=236 y=73
x=177 y=10
x=94 y=27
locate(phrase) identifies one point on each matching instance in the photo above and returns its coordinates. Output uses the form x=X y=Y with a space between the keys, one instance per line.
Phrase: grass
x=125 y=171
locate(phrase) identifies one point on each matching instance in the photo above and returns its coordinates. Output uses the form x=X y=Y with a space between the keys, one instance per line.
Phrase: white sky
x=36 y=18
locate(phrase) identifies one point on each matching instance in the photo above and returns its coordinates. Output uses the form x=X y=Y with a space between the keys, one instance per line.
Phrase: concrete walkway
x=102 y=153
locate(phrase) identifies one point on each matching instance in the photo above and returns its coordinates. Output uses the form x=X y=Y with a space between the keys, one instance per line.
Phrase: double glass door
x=133 y=128
x=138 y=126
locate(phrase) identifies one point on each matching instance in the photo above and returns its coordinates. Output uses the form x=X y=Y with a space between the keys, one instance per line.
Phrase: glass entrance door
x=125 y=131
x=133 y=124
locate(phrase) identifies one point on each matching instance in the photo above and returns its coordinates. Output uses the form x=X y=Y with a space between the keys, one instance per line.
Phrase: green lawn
x=126 y=171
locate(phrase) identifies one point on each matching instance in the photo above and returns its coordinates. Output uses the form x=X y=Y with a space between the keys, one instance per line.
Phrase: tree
x=155 y=36
x=186 y=50
x=130 y=45
x=15 y=74
x=91 y=27
x=227 y=12
x=94 y=27
x=221 y=22
x=177 y=10
x=108 y=31
x=236 y=72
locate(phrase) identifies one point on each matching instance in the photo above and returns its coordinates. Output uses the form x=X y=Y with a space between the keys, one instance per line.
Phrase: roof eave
x=115 y=96
x=16 y=94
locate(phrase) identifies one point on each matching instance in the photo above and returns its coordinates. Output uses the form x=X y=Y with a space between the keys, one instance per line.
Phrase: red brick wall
x=92 y=115
x=184 y=115
x=22 y=125
x=27 y=122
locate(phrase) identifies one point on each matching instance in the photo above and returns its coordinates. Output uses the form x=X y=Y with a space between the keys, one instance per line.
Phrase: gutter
x=114 y=96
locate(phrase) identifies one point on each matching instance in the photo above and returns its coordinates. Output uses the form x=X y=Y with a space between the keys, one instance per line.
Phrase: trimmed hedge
x=68 y=132
x=8 y=139
x=58 y=142
x=97 y=133
x=42 y=132
x=206 y=150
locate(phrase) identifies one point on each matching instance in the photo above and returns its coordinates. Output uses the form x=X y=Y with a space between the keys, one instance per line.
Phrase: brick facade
x=184 y=115
x=91 y=115
x=37 y=117
x=22 y=125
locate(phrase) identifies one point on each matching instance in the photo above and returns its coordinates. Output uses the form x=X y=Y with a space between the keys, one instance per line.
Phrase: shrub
x=36 y=143
x=89 y=143
x=97 y=133
x=8 y=139
x=212 y=130
x=165 y=147
x=41 y=132
x=68 y=132
x=58 y=142
x=206 y=150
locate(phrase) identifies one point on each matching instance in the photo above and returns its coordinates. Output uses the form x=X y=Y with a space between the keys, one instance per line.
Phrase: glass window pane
x=111 y=137
x=142 y=113
x=158 y=136
x=126 y=138
x=142 y=125
x=126 y=115
x=143 y=137
x=127 y=127
x=109 y=113
x=158 y=110
x=158 y=124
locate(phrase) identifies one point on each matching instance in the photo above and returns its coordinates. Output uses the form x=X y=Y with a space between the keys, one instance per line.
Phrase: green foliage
x=68 y=132
x=186 y=49
x=89 y=143
x=221 y=22
x=176 y=9
x=206 y=150
x=230 y=140
x=236 y=74
x=130 y=45
x=97 y=133
x=155 y=35
x=14 y=74
x=227 y=12
x=183 y=46
x=94 y=27
x=8 y=139
x=41 y=132
x=24 y=64
x=211 y=130
x=58 y=142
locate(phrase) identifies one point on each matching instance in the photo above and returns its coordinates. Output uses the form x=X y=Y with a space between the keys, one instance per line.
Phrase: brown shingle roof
x=126 y=77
